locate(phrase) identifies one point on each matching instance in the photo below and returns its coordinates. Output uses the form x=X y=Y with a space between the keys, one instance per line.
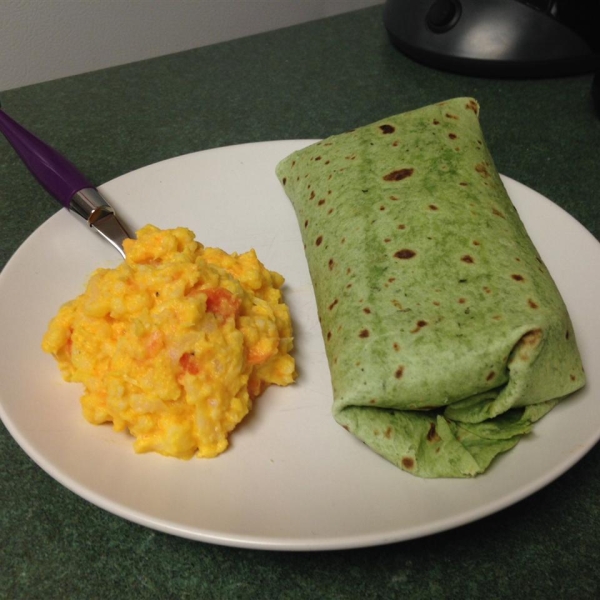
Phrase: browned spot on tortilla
x=517 y=277
x=399 y=372
x=463 y=183
x=471 y=105
x=436 y=122
x=432 y=434
x=393 y=198
x=330 y=211
x=476 y=243
x=567 y=335
x=532 y=303
x=408 y=462
x=387 y=128
x=419 y=326
x=364 y=333
x=387 y=240
x=399 y=175
x=331 y=264
x=462 y=300
x=405 y=253
x=572 y=377
x=388 y=433
x=312 y=195
x=397 y=304
x=481 y=168
x=532 y=338
x=319 y=240
x=284 y=180
x=392 y=279
x=490 y=376
x=433 y=207
x=367 y=310
x=396 y=346
x=452 y=136
x=373 y=401
x=529 y=341
x=346 y=427
x=451 y=116
x=327 y=162
x=348 y=271
x=332 y=305
x=395 y=143
x=498 y=213
x=436 y=303
x=382 y=207
x=343 y=240
x=401 y=226
x=467 y=259
x=497 y=317
x=487 y=289
x=321 y=202
x=306 y=224
x=318 y=158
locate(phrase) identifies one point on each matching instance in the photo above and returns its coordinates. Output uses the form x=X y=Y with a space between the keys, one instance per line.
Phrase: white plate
x=292 y=478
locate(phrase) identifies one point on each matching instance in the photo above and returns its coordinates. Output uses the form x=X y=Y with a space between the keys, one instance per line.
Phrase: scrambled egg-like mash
x=175 y=343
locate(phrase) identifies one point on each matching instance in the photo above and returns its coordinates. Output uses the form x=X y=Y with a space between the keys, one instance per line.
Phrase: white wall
x=42 y=40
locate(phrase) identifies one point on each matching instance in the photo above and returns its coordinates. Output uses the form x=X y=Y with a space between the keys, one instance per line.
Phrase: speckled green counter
x=307 y=81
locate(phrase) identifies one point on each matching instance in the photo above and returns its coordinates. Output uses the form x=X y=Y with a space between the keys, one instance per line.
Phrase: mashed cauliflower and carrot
x=175 y=343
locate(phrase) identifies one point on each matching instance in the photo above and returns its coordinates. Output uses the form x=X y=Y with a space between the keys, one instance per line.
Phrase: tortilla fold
x=445 y=334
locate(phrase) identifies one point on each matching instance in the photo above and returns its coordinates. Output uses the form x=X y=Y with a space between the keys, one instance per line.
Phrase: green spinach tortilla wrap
x=445 y=334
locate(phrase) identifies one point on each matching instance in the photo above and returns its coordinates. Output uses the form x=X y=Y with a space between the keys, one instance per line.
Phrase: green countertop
x=306 y=81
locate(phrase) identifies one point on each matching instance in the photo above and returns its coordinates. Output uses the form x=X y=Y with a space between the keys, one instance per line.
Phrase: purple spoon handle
x=59 y=177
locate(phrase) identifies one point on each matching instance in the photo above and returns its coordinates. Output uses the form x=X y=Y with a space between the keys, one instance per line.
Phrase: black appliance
x=498 y=38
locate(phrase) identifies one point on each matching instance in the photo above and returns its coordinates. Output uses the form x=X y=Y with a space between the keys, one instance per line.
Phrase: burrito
x=446 y=337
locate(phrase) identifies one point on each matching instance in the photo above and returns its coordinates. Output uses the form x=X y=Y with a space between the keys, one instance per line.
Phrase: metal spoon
x=62 y=180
